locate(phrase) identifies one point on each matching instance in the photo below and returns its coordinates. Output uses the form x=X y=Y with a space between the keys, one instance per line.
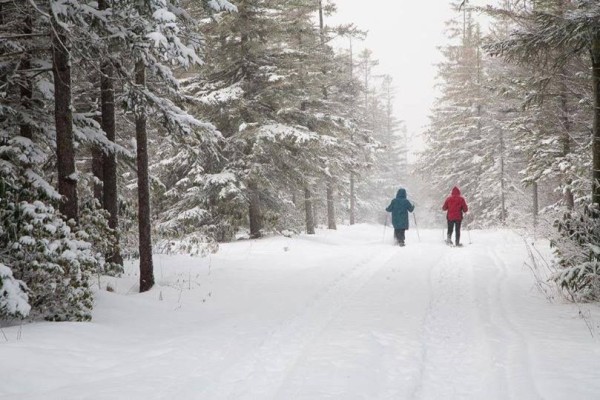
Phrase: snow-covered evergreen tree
x=550 y=41
x=13 y=295
x=52 y=258
x=267 y=93
x=457 y=153
x=389 y=169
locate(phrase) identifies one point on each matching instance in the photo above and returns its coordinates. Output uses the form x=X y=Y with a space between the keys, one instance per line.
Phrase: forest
x=139 y=127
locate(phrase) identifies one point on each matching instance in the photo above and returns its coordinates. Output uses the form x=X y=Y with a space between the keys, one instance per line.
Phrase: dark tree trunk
x=331 y=223
x=97 y=171
x=566 y=137
x=536 y=203
x=109 y=164
x=502 y=180
x=596 y=126
x=254 y=212
x=352 y=200
x=26 y=130
x=330 y=201
x=308 y=209
x=315 y=211
x=110 y=199
x=144 y=223
x=63 y=116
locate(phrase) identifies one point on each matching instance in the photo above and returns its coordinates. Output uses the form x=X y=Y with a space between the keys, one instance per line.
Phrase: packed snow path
x=341 y=315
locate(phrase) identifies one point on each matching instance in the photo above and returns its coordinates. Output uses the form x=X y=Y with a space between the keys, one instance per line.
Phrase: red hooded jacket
x=455 y=204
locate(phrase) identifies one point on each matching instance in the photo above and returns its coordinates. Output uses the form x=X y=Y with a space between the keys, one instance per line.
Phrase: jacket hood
x=401 y=194
x=455 y=191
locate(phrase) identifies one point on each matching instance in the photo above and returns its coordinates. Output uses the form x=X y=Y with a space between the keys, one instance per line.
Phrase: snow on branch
x=220 y=5
x=87 y=130
x=14 y=301
x=281 y=132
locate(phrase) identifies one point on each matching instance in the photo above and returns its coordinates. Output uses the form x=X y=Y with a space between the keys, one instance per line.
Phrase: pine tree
x=560 y=31
x=63 y=113
x=269 y=77
x=151 y=33
x=390 y=169
x=456 y=137
x=51 y=257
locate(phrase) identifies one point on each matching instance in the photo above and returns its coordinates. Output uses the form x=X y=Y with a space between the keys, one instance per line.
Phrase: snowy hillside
x=339 y=315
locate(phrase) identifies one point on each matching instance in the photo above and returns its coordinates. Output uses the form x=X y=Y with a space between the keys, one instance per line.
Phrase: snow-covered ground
x=340 y=315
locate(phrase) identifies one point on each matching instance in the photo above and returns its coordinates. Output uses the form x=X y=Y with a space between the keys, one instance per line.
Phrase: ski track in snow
x=455 y=335
x=364 y=321
x=261 y=374
x=516 y=352
x=376 y=330
x=447 y=333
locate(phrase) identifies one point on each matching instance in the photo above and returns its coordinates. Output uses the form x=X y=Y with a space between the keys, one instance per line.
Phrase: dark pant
x=454 y=226
x=399 y=234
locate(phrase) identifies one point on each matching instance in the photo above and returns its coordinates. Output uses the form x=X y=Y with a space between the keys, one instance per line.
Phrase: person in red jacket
x=455 y=205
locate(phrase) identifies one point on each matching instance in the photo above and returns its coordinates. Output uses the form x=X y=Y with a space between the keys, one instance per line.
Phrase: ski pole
x=416 y=226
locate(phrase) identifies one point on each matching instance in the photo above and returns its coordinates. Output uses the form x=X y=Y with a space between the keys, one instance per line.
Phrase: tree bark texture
x=352 y=200
x=502 y=180
x=63 y=116
x=26 y=84
x=308 y=209
x=110 y=199
x=536 y=203
x=331 y=223
x=596 y=126
x=144 y=223
x=330 y=203
x=97 y=171
x=566 y=137
x=254 y=211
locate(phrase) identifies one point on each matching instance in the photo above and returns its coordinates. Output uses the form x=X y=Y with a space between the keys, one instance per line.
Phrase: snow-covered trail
x=341 y=315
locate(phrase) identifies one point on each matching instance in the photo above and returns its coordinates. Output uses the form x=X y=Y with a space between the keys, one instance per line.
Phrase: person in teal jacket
x=399 y=207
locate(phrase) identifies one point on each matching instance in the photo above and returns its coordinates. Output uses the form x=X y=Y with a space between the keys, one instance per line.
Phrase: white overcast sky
x=404 y=36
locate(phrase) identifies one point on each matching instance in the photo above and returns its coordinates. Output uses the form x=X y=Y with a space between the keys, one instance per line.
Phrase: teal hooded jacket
x=399 y=207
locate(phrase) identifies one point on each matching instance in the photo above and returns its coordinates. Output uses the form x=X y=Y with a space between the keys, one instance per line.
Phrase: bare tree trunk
x=254 y=212
x=536 y=203
x=144 y=223
x=110 y=199
x=502 y=180
x=352 y=200
x=566 y=138
x=26 y=130
x=308 y=209
x=330 y=201
x=352 y=195
x=315 y=210
x=564 y=118
x=97 y=171
x=97 y=165
x=596 y=126
x=63 y=117
x=331 y=223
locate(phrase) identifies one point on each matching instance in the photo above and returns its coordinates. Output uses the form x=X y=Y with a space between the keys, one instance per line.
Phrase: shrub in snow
x=13 y=295
x=578 y=254
x=54 y=261
x=94 y=228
